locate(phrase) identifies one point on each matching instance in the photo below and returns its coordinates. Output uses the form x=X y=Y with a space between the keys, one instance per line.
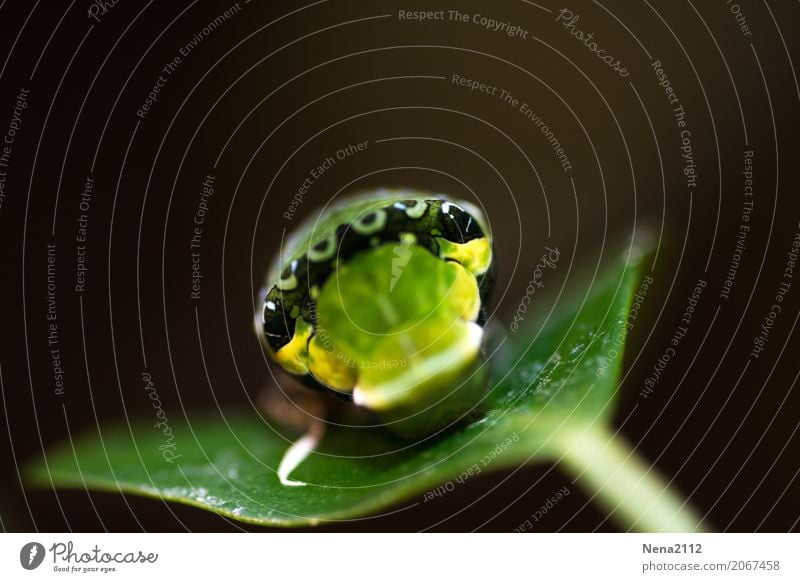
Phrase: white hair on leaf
x=299 y=452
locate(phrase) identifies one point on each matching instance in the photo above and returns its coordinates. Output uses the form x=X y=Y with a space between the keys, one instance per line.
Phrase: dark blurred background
x=261 y=99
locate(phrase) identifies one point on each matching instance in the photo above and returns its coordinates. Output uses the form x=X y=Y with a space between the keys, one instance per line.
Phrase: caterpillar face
x=382 y=299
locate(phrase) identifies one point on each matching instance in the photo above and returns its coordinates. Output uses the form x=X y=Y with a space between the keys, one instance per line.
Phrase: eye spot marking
x=323 y=250
x=415 y=208
x=288 y=280
x=370 y=223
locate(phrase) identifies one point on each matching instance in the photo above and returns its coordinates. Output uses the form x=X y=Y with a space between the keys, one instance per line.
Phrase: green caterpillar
x=381 y=300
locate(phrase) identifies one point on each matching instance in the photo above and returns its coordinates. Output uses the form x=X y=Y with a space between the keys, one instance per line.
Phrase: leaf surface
x=555 y=375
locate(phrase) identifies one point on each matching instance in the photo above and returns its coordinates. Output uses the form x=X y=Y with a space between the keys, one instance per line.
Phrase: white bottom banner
x=353 y=557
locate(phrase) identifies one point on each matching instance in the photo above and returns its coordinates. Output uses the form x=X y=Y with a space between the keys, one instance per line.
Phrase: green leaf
x=556 y=386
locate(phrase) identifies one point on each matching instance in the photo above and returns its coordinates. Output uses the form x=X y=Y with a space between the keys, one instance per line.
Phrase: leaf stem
x=624 y=483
